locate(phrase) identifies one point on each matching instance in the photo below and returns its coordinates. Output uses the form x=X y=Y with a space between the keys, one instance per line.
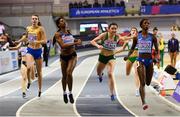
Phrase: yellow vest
x=34 y=33
x=161 y=44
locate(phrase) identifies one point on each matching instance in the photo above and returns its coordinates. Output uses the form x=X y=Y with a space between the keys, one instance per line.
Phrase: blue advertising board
x=170 y=9
x=96 y=12
x=160 y=9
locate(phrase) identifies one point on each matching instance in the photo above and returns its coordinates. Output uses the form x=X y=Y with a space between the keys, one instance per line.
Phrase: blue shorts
x=36 y=53
x=146 y=61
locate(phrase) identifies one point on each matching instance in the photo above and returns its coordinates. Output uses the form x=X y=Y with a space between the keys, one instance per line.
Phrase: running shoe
x=39 y=94
x=36 y=75
x=113 y=97
x=71 y=98
x=100 y=78
x=28 y=86
x=23 y=94
x=65 y=98
x=145 y=106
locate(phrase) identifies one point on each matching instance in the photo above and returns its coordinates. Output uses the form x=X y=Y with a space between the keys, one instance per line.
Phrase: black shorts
x=66 y=58
x=24 y=63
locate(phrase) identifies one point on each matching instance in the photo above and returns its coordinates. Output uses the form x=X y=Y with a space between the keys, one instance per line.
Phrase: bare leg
x=24 y=77
x=64 y=69
x=39 y=72
x=175 y=56
x=32 y=76
x=137 y=82
x=149 y=74
x=69 y=77
x=128 y=67
x=30 y=66
x=110 y=67
x=171 y=57
x=64 y=65
x=70 y=68
x=100 y=68
x=142 y=76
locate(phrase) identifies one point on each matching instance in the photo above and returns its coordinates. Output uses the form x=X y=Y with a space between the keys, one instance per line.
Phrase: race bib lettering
x=68 y=39
x=110 y=45
x=144 y=46
x=32 y=37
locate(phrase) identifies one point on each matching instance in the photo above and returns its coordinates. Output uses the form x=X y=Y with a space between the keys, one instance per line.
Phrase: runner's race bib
x=32 y=37
x=144 y=46
x=110 y=45
x=68 y=39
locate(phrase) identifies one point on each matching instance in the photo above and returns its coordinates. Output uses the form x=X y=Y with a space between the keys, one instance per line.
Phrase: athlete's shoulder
x=103 y=34
x=28 y=27
x=117 y=35
x=61 y=33
x=57 y=34
x=41 y=28
x=150 y=34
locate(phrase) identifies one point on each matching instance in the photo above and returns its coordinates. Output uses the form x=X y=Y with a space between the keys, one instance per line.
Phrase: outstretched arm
x=16 y=47
x=125 y=38
x=132 y=48
x=94 y=41
x=122 y=48
x=23 y=38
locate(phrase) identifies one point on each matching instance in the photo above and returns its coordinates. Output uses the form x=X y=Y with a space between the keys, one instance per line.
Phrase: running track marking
x=76 y=96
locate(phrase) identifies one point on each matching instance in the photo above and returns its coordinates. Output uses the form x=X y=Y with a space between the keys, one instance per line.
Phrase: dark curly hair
x=141 y=22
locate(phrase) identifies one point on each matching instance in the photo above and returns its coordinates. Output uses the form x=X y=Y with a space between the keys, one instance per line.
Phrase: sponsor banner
x=170 y=9
x=8 y=61
x=146 y=10
x=161 y=9
x=14 y=59
x=96 y=12
x=5 y=63
x=176 y=94
x=164 y=79
x=167 y=81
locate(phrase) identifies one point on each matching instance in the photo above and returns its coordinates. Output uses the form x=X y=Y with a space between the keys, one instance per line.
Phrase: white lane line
x=16 y=81
x=18 y=77
x=80 y=54
x=175 y=106
x=49 y=89
x=117 y=71
x=8 y=74
x=19 y=110
x=4 y=83
x=14 y=84
x=74 y=105
x=15 y=72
